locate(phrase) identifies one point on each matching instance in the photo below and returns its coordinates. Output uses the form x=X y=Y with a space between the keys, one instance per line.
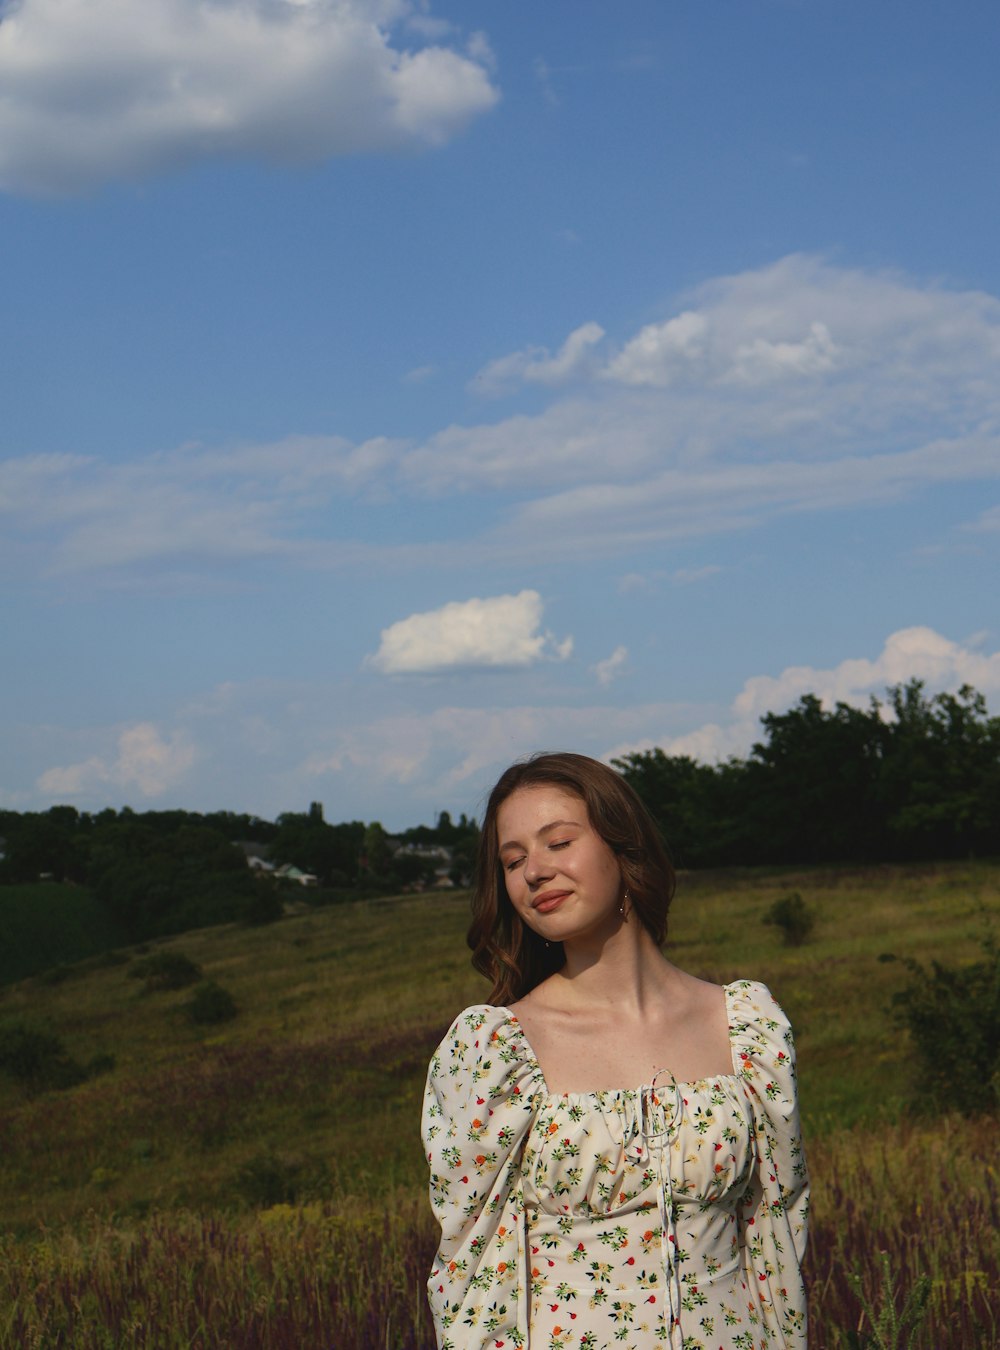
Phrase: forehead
x=529 y=809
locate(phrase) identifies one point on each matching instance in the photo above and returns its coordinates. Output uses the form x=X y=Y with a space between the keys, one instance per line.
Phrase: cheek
x=514 y=892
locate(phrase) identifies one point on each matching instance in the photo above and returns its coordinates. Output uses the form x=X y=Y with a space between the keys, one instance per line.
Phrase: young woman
x=614 y=1145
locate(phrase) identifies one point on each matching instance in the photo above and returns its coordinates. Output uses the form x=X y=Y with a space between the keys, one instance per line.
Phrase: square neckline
x=630 y=1093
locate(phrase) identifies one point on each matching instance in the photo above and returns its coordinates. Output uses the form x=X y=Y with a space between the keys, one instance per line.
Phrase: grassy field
x=261 y=1183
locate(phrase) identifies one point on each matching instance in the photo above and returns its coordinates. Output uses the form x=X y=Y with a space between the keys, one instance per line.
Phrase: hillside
x=310 y=1095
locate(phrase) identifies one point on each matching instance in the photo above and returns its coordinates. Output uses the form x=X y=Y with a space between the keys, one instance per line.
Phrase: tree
x=940 y=783
x=813 y=783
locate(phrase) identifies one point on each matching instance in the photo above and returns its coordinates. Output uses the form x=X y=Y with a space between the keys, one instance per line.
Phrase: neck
x=623 y=970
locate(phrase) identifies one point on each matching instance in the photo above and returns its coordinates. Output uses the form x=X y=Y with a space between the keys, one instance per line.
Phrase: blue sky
x=392 y=389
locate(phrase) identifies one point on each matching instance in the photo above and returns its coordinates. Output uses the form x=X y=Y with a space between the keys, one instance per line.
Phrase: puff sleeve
x=478 y=1107
x=773 y=1211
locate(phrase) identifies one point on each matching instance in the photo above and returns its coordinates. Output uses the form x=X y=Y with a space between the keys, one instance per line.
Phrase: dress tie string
x=652 y=1132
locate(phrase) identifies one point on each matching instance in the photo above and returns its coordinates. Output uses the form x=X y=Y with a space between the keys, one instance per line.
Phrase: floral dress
x=667 y=1217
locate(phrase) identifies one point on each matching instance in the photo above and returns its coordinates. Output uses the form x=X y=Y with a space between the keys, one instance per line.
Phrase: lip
x=548 y=901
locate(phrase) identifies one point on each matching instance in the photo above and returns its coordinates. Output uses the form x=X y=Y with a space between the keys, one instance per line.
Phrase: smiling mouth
x=548 y=901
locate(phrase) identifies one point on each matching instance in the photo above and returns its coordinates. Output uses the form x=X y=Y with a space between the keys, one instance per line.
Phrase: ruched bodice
x=668 y=1215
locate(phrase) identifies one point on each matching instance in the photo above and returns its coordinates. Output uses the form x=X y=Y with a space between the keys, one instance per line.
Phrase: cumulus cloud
x=101 y=89
x=660 y=351
x=144 y=761
x=611 y=667
x=911 y=653
x=537 y=365
x=500 y=632
x=917 y=653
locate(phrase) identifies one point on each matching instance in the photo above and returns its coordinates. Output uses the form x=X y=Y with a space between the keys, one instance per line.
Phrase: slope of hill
x=307 y=1101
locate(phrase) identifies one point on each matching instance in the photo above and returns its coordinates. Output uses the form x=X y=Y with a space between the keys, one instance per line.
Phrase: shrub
x=37 y=1059
x=267 y=1179
x=891 y=1329
x=166 y=970
x=102 y=1063
x=263 y=906
x=210 y=1003
x=793 y=916
x=55 y=975
x=953 y=1016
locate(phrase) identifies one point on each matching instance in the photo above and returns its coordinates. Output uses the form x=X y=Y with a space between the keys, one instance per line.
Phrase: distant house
x=289 y=872
x=436 y=856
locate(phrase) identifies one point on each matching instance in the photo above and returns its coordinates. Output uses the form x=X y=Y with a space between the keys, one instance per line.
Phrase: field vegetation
x=257 y=1180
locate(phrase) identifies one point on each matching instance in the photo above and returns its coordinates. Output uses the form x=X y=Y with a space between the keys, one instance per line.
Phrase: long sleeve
x=478 y=1108
x=774 y=1211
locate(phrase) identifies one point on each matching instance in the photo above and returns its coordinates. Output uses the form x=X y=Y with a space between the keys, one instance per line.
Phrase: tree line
x=160 y=872
x=914 y=777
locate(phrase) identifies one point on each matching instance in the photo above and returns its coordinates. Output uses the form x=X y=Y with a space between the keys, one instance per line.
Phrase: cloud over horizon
x=291 y=748
x=917 y=653
x=146 y=762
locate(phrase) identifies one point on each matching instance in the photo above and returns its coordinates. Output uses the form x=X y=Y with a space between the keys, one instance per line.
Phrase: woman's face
x=561 y=877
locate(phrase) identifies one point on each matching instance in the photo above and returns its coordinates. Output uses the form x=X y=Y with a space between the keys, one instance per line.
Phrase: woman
x=614 y=1146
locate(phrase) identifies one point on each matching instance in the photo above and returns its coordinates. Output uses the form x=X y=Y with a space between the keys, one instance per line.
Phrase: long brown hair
x=504 y=948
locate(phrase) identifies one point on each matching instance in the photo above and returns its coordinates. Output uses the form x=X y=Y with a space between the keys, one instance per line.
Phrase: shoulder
x=760 y=1030
x=484 y=1046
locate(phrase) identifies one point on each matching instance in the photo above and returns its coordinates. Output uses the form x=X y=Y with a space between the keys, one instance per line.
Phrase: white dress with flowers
x=668 y=1216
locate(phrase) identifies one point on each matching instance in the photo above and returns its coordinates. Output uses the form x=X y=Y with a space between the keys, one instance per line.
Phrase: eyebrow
x=552 y=825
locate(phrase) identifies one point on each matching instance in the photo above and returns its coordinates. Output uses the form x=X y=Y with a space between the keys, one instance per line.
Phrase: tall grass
x=349 y=1274
x=261 y=1184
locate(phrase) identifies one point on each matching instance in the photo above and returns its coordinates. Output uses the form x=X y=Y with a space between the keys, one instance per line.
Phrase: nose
x=536 y=868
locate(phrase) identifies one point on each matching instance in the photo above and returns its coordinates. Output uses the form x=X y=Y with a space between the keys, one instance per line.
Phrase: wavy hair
x=504 y=949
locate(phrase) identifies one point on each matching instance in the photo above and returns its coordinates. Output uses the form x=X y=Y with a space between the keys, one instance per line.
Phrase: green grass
x=310 y=1098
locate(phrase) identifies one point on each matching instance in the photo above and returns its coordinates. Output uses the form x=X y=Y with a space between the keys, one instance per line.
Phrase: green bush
x=953 y=1016
x=210 y=1003
x=890 y=1329
x=268 y=1180
x=793 y=916
x=263 y=906
x=37 y=1059
x=165 y=970
x=55 y=975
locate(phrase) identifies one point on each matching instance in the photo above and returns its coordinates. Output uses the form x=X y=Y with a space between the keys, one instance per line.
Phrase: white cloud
x=457 y=752
x=145 y=761
x=761 y=417
x=500 y=632
x=611 y=667
x=688 y=576
x=101 y=89
x=191 y=504
x=988 y=521
x=419 y=374
x=910 y=653
x=537 y=365
x=660 y=350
